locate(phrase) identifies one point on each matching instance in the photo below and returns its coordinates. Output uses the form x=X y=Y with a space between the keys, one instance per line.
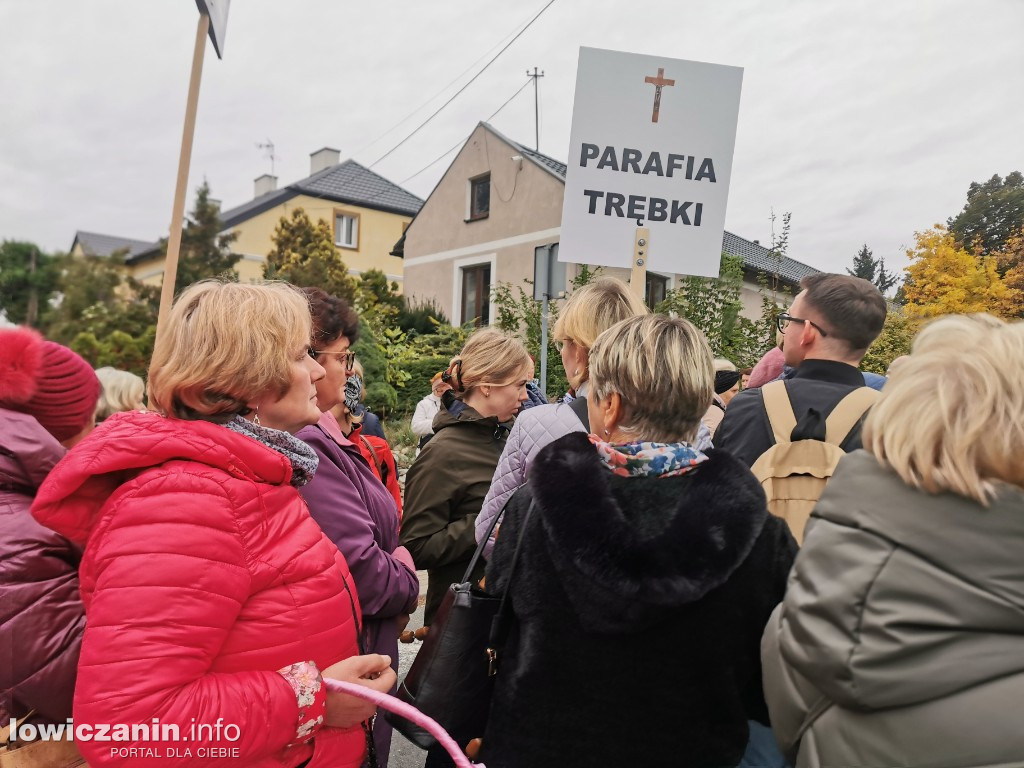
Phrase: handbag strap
x=501 y=623
x=579 y=407
x=373 y=453
x=480 y=546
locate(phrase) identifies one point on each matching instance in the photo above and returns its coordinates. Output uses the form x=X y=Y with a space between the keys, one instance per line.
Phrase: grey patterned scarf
x=303 y=459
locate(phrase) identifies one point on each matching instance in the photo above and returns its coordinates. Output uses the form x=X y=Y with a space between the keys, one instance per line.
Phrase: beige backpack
x=794 y=474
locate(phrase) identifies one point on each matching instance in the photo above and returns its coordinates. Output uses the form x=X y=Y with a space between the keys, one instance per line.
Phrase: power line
x=440 y=157
x=442 y=90
x=461 y=141
x=438 y=111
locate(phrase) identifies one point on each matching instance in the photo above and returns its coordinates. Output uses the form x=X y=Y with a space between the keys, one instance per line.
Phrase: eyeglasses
x=560 y=343
x=782 y=322
x=349 y=356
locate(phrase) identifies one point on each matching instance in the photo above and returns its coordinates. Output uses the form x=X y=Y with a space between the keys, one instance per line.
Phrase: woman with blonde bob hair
x=591 y=310
x=647 y=570
x=209 y=591
x=911 y=656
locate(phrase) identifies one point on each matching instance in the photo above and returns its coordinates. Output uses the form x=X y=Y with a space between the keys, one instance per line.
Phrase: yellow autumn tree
x=943 y=279
x=1010 y=261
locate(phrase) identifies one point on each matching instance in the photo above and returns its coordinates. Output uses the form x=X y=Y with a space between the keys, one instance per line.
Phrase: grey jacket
x=901 y=638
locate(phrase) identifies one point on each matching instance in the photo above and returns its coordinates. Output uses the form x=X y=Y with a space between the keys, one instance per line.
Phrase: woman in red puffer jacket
x=213 y=600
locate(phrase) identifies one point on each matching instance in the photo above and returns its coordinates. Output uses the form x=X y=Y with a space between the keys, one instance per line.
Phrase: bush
x=420 y=318
x=420 y=371
x=381 y=397
x=895 y=339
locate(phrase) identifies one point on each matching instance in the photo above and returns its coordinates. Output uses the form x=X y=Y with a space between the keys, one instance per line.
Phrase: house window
x=346 y=230
x=656 y=288
x=476 y=294
x=480 y=197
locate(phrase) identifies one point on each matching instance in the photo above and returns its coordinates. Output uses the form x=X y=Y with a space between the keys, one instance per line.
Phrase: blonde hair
x=121 y=391
x=661 y=367
x=488 y=357
x=225 y=344
x=594 y=308
x=951 y=416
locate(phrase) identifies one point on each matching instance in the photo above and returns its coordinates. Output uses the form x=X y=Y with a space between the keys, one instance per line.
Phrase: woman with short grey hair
x=647 y=571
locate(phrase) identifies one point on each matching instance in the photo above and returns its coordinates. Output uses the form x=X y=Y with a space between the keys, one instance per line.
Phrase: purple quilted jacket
x=41 y=614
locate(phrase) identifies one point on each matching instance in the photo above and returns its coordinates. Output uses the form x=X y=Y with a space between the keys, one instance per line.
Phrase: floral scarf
x=303 y=459
x=642 y=459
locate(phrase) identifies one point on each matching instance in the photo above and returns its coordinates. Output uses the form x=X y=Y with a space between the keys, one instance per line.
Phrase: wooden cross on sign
x=658 y=82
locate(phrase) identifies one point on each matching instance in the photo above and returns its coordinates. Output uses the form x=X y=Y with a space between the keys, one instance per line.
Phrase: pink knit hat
x=768 y=368
x=47 y=381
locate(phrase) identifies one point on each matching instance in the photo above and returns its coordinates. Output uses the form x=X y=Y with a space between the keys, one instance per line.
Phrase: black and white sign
x=652 y=141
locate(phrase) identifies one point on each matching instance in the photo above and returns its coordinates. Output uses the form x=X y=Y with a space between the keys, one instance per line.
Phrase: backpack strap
x=848 y=412
x=780 y=410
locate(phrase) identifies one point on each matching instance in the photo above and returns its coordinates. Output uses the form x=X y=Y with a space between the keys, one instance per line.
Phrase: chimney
x=323 y=158
x=214 y=202
x=264 y=184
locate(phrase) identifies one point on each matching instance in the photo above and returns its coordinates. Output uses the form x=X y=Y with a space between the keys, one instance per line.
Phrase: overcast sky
x=867 y=120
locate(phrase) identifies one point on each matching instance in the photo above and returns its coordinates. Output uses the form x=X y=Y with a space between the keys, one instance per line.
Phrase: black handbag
x=452 y=677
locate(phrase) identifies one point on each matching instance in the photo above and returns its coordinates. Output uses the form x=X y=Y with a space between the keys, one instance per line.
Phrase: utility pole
x=536 y=105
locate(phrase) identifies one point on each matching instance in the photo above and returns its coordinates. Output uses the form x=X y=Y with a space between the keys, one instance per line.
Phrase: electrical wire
x=440 y=157
x=463 y=88
x=456 y=79
x=463 y=141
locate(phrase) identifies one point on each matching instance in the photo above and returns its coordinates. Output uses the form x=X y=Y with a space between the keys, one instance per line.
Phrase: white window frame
x=472 y=261
x=354 y=245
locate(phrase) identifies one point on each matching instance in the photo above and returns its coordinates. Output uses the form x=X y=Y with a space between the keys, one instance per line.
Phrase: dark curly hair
x=332 y=317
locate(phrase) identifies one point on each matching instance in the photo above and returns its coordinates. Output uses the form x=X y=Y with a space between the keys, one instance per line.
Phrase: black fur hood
x=627 y=548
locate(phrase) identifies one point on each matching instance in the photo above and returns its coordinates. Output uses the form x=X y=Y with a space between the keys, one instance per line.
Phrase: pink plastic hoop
x=390 y=703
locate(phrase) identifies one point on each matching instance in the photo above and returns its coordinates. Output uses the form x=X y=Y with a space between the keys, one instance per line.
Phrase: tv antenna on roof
x=268 y=153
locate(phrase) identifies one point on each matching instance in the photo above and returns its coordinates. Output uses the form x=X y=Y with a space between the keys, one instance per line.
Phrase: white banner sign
x=217 y=10
x=652 y=141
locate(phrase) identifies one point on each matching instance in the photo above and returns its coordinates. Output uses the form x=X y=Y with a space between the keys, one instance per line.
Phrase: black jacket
x=639 y=605
x=814 y=390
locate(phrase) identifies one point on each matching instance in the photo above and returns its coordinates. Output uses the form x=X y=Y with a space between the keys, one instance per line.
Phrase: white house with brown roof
x=500 y=201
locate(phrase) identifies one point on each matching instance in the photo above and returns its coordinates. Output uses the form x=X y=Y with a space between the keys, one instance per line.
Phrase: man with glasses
x=827 y=331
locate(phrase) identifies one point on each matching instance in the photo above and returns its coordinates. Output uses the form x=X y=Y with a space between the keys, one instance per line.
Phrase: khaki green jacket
x=444 y=490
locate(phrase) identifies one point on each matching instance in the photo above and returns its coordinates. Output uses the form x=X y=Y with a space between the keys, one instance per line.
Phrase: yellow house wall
x=378 y=233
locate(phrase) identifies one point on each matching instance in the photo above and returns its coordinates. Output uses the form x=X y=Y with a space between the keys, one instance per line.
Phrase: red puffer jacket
x=203 y=575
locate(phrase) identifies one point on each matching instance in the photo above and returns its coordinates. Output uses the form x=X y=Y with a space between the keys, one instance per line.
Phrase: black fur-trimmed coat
x=639 y=606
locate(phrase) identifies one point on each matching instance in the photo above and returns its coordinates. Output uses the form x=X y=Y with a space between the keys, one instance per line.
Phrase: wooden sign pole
x=184 y=161
x=641 y=248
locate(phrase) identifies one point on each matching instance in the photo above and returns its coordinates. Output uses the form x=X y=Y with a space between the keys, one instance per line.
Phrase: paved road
x=403 y=753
